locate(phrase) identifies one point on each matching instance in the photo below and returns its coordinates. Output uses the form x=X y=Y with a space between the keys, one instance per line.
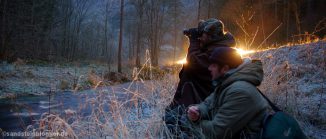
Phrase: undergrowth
x=137 y=111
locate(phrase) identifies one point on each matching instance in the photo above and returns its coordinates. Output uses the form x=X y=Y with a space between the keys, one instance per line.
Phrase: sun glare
x=244 y=52
x=182 y=61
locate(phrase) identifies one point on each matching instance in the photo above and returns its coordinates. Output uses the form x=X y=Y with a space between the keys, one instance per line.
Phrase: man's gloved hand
x=192 y=33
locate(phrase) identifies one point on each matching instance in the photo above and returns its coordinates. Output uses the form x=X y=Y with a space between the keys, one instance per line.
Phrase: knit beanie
x=226 y=56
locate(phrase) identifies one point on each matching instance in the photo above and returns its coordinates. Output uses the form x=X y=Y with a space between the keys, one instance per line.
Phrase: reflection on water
x=17 y=114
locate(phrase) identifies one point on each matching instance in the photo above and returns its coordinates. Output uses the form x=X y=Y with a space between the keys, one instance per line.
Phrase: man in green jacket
x=235 y=109
x=195 y=79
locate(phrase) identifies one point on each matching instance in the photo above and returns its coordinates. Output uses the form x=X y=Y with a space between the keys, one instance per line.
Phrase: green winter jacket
x=236 y=108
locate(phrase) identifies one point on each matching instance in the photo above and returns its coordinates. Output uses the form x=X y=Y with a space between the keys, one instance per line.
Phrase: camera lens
x=187 y=32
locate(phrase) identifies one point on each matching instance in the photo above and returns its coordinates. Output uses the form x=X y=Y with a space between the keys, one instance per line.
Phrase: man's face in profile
x=217 y=71
x=204 y=38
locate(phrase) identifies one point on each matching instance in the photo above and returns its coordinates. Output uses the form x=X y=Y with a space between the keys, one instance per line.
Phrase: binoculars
x=192 y=32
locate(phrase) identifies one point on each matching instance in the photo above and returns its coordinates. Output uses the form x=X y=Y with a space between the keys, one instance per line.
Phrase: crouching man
x=235 y=109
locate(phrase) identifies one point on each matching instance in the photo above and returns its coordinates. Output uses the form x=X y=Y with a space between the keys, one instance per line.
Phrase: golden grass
x=138 y=114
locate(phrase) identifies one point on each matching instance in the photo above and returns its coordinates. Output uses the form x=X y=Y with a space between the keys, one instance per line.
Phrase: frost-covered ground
x=24 y=79
x=294 y=79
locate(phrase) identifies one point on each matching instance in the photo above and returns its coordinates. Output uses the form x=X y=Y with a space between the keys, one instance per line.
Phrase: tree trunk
x=138 y=46
x=198 y=12
x=262 y=18
x=209 y=9
x=120 y=36
x=140 y=8
x=175 y=30
x=3 y=47
x=297 y=19
x=36 y=50
x=129 y=48
x=106 y=28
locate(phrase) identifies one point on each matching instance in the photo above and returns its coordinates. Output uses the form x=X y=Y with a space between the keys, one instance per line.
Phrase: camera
x=192 y=32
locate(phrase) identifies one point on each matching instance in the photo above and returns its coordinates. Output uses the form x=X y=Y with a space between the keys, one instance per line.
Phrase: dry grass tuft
x=134 y=112
x=64 y=84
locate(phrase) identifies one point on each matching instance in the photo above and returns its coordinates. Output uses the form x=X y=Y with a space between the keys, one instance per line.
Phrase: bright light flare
x=182 y=61
x=244 y=52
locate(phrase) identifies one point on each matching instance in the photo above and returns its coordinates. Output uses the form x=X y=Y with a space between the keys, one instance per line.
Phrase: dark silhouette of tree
x=120 y=36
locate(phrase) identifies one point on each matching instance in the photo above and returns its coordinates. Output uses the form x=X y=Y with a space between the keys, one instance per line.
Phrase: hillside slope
x=295 y=79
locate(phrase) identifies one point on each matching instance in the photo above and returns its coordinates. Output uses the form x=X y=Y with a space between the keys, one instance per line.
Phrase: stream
x=16 y=114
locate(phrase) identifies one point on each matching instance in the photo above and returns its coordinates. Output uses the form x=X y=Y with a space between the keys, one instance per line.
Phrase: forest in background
x=59 y=61
x=79 y=30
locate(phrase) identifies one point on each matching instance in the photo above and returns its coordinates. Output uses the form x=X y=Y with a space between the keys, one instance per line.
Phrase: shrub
x=64 y=85
x=150 y=72
x=29 y=74
x=37 y=62
x=116 y=77
x=19 y=62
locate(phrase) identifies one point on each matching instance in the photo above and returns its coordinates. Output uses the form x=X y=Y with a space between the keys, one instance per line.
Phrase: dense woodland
x=130 y=31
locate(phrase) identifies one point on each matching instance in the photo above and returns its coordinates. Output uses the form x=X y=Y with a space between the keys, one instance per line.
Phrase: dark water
x=16 y=114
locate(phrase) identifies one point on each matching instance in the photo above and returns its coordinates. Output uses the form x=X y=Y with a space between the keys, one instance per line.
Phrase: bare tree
x=81 y=10
x=175 y=28
x=107 y=47
x=198 y=10
x=209 y=9
x=3 y=36
x=106 y=32
x=67 y=7
x=296 y=12
x=155 y=15
x=120 y=36
x=139 y=6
